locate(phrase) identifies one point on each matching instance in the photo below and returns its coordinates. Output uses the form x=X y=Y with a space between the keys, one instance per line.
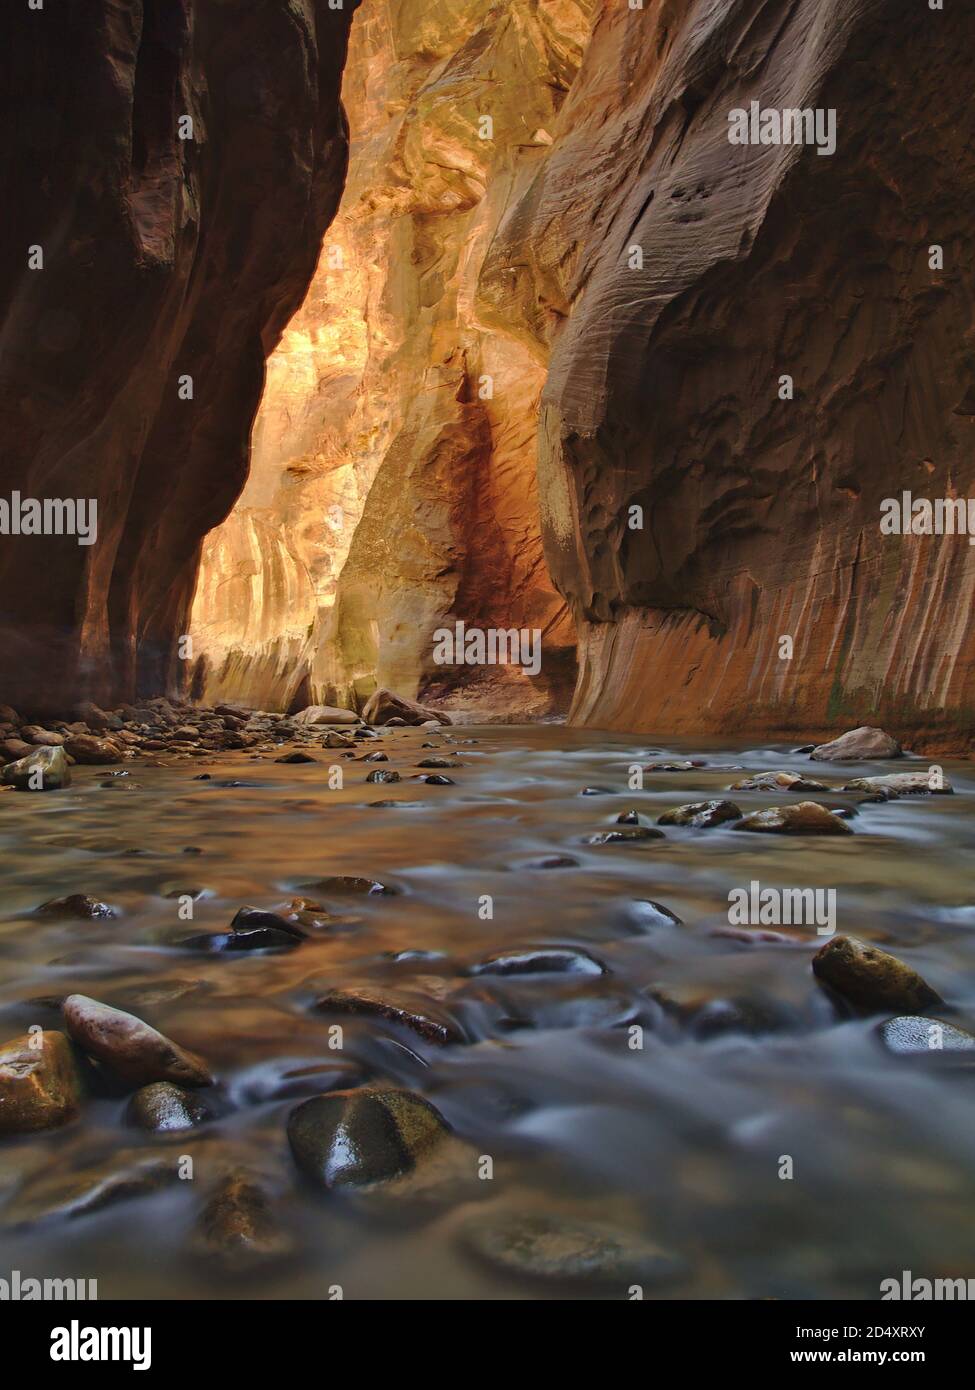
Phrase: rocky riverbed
x=301 y=1008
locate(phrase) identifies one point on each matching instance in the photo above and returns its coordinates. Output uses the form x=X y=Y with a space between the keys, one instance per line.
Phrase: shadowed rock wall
x=163 y=258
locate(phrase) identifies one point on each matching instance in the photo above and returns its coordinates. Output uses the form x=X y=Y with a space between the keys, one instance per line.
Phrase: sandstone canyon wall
x=392 y=488
x=761 y=514
x=162 y=258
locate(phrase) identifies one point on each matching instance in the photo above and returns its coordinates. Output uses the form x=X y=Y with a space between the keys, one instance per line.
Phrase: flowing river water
x=744 y=1059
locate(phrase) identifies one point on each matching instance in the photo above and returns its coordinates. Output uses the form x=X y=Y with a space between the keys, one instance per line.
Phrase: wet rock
x=383 y=707
x=40 y=1084
x=326 y=714
x=43 y=770
x=720 y=1016
x=778 y=782
x=296 y=756
x=625 y=834
x=237 y=1227
x=652 y=914
x=336 y=740
x=413 y=957
x=903 y=784
x=347 y=883
x=246 y=918
x=358 y=1138
x=58 y=1195
x=910 y=1036
x=97 y=719
x=804 y=818
x=675 y=765
x=413 y=1013
x=163 y=1107
x=702 y=815
x=554 y=861
x=86 y=748
x=858 y=745
x=78 y=906
x=597 y=791
x=628 y=818
x=132 y=1051
x=437 y=779
x=545 y=960
x=869 y=978
x=439 y=762
x=559 y=1249
x=377 y=757
x=382 y=774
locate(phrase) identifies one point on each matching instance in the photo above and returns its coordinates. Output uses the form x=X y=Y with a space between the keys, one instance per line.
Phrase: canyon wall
x=392 y=487
x=147 y=268
x=760 y=513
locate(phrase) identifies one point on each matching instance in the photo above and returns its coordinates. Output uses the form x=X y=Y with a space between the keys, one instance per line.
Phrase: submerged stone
x=912 y=1036
x=540 y=961
x=237 y=1226
x=556 y=1248
x=163 y=1108
x=394 y=1007
x=624 y=835
x=76 y=905
x=362 y=1137
x=702 y=815
x=871 y=979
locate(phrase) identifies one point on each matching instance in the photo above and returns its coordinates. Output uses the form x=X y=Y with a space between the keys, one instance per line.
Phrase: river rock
x=436 y=779
x=804 y=818
x=59 y=1194
x=558 y=1249
x=42 y=738
x=383 y=707
x=869 y=978
x=911 y=1036
x=237 y=1227
x=702 y=815
x=40 y=1085
x=86 y=748
x=652 y=914
x=163 y=1107
x=133 y=1051
x=361 y=1137
x=12 y=749
x=439 y=762
x=326 y=714
x=347 y=883
x=296 y=756
x=540 y=961
x=43 y=770
x=675 y=765
x=383 y=774
x=402 y=1008
x=377 y=757
x=858 y=745
x=623 y=835
x=78 y=906
x=778 y=782
x=902 y=784
x=333 y=739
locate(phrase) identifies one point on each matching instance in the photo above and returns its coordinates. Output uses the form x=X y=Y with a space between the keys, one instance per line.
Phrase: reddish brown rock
x=132 y=1050
x=40 y=1087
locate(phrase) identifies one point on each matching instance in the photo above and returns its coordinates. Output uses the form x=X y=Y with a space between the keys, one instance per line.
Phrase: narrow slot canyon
x=487 y=550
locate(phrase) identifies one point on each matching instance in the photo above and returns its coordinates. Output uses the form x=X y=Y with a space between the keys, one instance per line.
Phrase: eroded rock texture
x=393 y=481
x=761 y=515
x=163 y=258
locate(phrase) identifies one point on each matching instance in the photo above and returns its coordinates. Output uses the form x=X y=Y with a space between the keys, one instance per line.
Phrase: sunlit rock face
x=164 y=259
x=761 y=514
x=392 y=488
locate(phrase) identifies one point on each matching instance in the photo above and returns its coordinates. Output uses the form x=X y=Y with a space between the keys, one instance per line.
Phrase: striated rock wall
x=393 y=480
x=163 y=258
x=761 y=515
